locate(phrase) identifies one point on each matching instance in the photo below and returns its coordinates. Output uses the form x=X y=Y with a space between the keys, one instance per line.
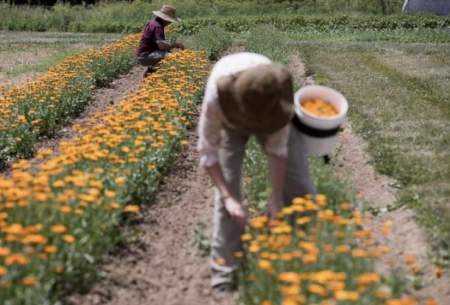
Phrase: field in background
x=129 y=17
x=23 y=54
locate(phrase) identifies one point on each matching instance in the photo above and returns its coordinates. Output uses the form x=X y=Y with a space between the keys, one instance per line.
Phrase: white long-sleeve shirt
x=212 y=119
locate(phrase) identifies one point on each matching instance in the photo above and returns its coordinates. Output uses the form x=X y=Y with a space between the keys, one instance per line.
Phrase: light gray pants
x=150 y=59
x=226 y=233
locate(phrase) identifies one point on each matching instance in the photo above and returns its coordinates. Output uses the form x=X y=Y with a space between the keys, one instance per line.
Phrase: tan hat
x=258 y=100
x=167 y=13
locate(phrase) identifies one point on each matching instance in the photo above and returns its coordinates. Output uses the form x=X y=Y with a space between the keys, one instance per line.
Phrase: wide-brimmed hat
x=258 y=100
x=167 y=13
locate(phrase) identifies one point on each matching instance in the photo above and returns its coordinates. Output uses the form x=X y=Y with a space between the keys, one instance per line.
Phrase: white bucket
x=323 y=144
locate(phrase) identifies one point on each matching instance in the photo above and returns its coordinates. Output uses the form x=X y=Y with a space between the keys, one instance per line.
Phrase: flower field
x=318 y=253
x=58 y=217
x=38 y=107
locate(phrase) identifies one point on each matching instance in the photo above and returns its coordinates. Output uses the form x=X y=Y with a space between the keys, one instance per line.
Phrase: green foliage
x=240 y=24
x=131 y=17
x=267 y=40
x=38 y=108
x=213 y=39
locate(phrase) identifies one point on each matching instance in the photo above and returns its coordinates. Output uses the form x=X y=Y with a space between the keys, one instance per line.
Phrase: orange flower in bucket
x=319 y=108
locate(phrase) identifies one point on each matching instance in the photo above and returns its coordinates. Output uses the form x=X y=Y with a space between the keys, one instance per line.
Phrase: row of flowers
x=57 y=217
x=318 y=253
x=38 y=107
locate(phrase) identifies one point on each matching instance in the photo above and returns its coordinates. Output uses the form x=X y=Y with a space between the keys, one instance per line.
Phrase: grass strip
x=57 y=218
x=39 y=107
x=402 y=116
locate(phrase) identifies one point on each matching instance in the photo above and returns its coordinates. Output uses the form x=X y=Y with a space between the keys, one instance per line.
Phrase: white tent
x=438 y=7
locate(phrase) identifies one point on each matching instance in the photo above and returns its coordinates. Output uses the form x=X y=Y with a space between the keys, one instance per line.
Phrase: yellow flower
x=431 y=301
x=58 y=229
x=368 y=278
x=317 y=289
x=120 y=180
x=343 y=295
x=321 y=200
x=246 y=237
x=3 y=271
x=290 y=277
x=238 y=254
x=4 y=251
x=16 y=259
x=303 y=220
x=50 y=249
x=34 y=239
x=360 y=253
x=131 y=208
x=69 y=238
x=265 y=265
x=29 y=281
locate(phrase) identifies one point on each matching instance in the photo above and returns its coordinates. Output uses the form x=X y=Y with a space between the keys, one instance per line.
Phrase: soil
x=407 y=237
x=164 y=266
x=102 y=99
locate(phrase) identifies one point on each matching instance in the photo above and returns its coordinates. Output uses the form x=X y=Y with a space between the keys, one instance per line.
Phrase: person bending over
x=247 y=95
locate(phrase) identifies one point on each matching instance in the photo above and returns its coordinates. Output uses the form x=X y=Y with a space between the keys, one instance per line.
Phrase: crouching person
x=153 y=45
x=246 y=95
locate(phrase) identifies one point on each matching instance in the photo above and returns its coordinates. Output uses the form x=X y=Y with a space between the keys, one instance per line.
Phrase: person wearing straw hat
x=247 y=94
x=153 y=45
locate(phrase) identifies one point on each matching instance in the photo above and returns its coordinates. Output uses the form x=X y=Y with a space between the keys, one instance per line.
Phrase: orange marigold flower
x=16 y=259
x=131 y=208
x=50 y=249
x=431 y=301
x=4 y=251
x=69 y=238
x=343 y=295
x=58 y=229
x=29 y=281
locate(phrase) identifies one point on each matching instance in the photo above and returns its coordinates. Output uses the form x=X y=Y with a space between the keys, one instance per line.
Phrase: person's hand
x=179 y=45
x=236 y=210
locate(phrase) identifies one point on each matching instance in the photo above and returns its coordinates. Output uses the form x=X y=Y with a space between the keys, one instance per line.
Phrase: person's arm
x=164 y=45
x=232 y=204
x=210 y=126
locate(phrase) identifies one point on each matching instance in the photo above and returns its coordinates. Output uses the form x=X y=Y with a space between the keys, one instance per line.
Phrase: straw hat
x=167 y=13
x=258 y=100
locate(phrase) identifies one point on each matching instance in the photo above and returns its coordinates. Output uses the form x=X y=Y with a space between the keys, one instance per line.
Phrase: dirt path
x=163 y=266
x=101 y=99
x=352 y=163
x=407 y=237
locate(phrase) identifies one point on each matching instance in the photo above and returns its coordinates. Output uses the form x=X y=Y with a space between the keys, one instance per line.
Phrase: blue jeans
x=150 y=59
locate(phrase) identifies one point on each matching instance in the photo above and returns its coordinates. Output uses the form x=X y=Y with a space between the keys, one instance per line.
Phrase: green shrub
x=267 y=40
x=213 y=39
